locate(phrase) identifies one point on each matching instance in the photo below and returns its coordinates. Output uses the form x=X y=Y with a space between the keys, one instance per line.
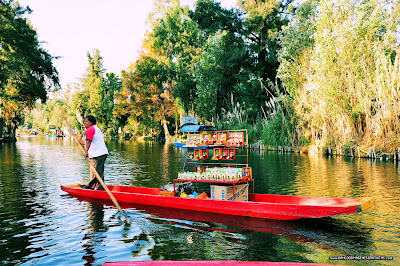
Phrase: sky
x=70 y=29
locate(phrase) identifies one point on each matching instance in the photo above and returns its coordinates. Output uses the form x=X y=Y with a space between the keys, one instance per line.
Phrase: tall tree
x=92 y=82
x=122 y=109
x=263 y=21
x=165 y=67
x=176 y=42
x=224 y=57
x=26 y=69
x=150 y=94
x=112 y=85
x=217 y=74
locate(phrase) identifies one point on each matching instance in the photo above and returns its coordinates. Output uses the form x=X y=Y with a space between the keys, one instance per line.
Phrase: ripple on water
x=42 y=225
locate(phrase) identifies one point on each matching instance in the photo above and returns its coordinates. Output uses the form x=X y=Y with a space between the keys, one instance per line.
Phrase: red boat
x=266 y=206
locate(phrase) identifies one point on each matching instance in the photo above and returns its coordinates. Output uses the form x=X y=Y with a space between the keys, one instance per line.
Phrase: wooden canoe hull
x=266 y=206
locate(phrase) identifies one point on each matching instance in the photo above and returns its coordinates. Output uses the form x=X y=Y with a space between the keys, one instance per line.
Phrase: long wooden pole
x=97 y=174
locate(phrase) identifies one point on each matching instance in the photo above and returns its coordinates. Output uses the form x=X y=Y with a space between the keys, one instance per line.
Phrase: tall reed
x=345 y=85
x=238 y=119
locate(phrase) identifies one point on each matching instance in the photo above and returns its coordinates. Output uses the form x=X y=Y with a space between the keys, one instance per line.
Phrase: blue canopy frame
x=197 y=128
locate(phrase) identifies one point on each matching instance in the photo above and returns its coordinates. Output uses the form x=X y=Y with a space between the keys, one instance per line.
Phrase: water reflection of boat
x=266 y=206
x=327 y=233
x=300 y=230
x=244 y=223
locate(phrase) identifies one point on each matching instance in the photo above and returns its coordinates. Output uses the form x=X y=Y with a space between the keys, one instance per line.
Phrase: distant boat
x=54 y=133
x=50 y=134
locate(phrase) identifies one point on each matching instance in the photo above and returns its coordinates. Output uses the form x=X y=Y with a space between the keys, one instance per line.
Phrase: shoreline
x=352 y=152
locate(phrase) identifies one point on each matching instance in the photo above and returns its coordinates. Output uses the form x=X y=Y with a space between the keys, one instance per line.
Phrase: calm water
x=42 y=225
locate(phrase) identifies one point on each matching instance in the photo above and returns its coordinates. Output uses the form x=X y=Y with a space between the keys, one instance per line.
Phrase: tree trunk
x=1 y=128
x=166 y=131
x=13 y=133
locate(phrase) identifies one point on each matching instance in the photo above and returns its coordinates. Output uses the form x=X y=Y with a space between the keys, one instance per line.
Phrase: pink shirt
x=90 y=133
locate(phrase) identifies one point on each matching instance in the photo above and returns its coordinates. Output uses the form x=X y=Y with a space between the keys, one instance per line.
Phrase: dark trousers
x=98 y=164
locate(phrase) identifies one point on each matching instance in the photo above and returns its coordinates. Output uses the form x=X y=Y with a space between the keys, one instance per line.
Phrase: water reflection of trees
x=329 y=176
x=185 y=235
x=271 y=240
x=24 y=208
x=93 y=238
x=143 y=163
x=13 y=233
x=337 y=176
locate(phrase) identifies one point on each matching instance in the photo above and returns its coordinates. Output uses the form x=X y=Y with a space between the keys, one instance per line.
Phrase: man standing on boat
x=95 y=149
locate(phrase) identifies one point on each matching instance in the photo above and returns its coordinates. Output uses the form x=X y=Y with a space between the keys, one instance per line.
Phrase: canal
x=42 y=225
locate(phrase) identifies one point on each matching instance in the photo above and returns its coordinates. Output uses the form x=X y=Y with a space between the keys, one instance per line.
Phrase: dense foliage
x=26 y=69
x=340 y=67
x=321 y=72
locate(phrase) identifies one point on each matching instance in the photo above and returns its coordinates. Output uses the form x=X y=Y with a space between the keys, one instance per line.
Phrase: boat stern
x=365 y=203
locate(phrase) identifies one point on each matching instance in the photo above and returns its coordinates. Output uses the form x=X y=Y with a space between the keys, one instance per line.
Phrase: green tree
x=99 y=95
x=217 y=74
x=26 y=70
x=92 y=83
x=80 y=102
x=176 y=41
x=223 y=58
x=122 y=108
x=262 y=23
x=165 y=68
x=112 y=86
x=150 y=98
x=211 y=17
x=297 y=42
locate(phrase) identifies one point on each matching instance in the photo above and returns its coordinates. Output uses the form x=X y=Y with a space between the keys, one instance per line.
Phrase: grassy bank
x=280 y=130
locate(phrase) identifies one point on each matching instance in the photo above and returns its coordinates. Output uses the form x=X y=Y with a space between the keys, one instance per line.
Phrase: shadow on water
x=349 y=237
x=93 y=237
x=11 y=173
x=20 y=213
x=261 y=239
